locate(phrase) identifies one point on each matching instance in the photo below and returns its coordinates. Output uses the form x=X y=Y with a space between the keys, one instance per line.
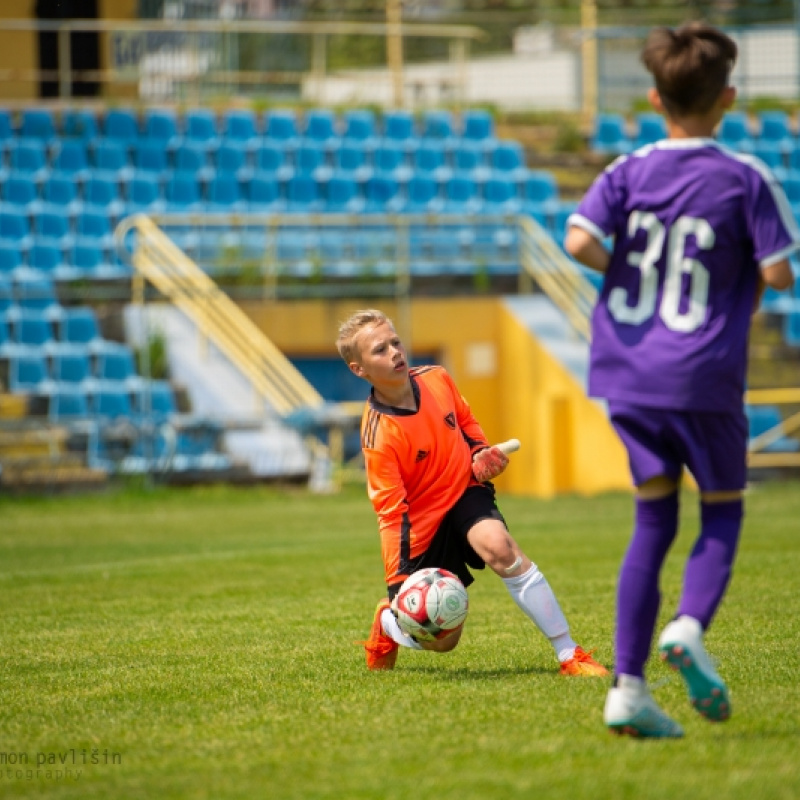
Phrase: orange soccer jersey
x=418 y=464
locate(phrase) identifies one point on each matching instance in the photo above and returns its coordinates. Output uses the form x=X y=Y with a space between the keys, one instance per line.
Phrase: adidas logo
x=420 y=455
x=450 y=420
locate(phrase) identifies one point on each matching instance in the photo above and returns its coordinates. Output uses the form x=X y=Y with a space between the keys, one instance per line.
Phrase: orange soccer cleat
x=583 y=665
x=380 y=649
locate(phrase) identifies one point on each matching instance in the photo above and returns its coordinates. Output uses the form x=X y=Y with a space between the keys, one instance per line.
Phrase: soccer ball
x=431 y=604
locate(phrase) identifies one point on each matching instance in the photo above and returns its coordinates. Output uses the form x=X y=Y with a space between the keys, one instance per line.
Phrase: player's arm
x=586 y=248
x=779 y=275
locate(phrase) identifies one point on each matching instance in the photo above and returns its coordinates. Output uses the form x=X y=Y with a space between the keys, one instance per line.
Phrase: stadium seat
x=540 y=193
x=263 y=193
x=462 y=195
x=610 y=136
x=477 y=129
x=20 y=194
x=469 y=161
x=650 y=128
x=14 y=228
x=734 y=131
x=430 y=159
x=102 y=195
x=351 y=159
x=94 y=226
x=239 y=126
x=192 y=156
x=27 y=372
x=90 y=261
x=79 y=325
x=383 y=195
x=71 y=364
x=143 y=195
x=302 y=194
x=310 y=159
x=151 y=156
x=80 y=124
x=772 y=155
x=272 y=159
x=30 y=157
x=360 y=130
x=182 y=193
x=438 y=127
x=224 y=193
x=200 y=129
x=791 y=328
x=422 y=196
x=389 y=161
x=109 y=403
x=110 y=158
x=558 y=222
x=775 y=128
x=399 y=131
x=154 y=399
x=161 y=125
x=121 y=125
x=115 y=362
x=61 y=190
x=47 y=258
x=6 y=129
x=280 y=126
x=10 y=260
x=35 y=291
x=342 y=195
x=319 y=128
x=37 y=123
x=500 y=196
x=232 y=157
x=71 y=157
x=67 y=402
x=32 y=327
x=508 y=158
x=52 y=222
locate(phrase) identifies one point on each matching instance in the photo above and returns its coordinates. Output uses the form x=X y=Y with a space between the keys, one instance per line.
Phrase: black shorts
x=449 y=548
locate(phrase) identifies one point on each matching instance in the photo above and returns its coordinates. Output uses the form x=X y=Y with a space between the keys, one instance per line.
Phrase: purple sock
x=709 y=567
x=638 y=595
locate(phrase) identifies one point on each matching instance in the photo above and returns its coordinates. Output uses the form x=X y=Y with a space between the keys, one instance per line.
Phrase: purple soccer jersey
x=692 y=223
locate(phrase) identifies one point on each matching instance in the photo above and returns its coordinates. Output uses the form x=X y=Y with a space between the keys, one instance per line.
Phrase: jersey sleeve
x=600 y=210
x=468 y=424
x=774 y=230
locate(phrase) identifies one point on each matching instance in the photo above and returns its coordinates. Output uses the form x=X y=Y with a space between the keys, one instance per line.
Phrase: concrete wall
x=513 y=385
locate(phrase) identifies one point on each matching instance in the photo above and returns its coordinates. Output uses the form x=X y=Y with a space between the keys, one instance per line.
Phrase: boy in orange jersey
x=429 y=468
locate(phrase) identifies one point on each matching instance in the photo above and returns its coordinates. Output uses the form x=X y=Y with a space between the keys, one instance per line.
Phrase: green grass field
x=200 y=644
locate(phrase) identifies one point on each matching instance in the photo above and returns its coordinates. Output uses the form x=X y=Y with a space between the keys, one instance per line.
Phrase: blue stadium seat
x=115 y=362
x=438 y=127
x=469 y=161
x=161 y=125
x=302 y=194
x=508 y=158
x=6 y=129
x=399 y=130
x=389 y=161
x=431 y=159
x=79 y=325
x=500 y=196
x=37 y=123
x=200 y=129
x=775 y=128
x=28 y=372
x=71 y=157
x=182 y=193
x=89 y=260
x=734 y=131
x=319 y=127
x=224 y=193
x=772 y=155
x=762 y=418
x=71 y=364
x=30 y=157
x=650 y=128
x=423 y=196
x=240 y=126
x=151 y=156
x=310 y=159
x=102 y=195
x=281 y=127
x=232 y=157
x=6 y=295
x=20 y=194
x=263 y=193
x=110 y=158
x=351 y=159
x=540 y=193
x=48 y=258
x=143 y=195
x=10 y=260
x=35 y=291
x=271 y=158
x=477 y=128
x=32 y=327
x=79 y=123
x=462 y=195
x=14 y=228
x=67 y=402
x=94 y=226
x=109 y=403
x=360 y=129
x=54 y=223
x=610 y=135
x=558 y=221
x=192 y=156
x=155 y=399
x=383 y=195
x=121 y=125
x=791 y=328
x=342 y=195
x=61 y=190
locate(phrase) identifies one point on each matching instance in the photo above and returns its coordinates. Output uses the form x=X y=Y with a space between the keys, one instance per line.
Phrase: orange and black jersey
x=418 y=464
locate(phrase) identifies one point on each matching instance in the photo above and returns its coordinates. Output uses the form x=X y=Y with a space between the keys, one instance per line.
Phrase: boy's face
x=382 y=355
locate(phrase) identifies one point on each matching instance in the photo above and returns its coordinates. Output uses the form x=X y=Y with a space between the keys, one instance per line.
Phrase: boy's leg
x=530 y=590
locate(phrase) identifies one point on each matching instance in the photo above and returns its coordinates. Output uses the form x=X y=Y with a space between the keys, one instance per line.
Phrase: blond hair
x=352 y=326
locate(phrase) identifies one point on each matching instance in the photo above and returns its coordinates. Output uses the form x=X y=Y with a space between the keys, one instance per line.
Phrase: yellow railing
x=758 y=457
x=161 y=262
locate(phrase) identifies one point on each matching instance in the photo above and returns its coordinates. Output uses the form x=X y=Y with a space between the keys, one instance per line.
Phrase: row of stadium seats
x=767 y=132
x=208 y=129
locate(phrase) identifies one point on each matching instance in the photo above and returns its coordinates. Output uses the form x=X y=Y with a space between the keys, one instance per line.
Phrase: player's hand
x=488 y=463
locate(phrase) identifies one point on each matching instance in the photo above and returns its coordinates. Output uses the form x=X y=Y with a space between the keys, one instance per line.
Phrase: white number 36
x=678 y=265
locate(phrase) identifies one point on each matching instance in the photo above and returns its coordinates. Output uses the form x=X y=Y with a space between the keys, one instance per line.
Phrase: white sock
x=392 y=629
x=532 y=593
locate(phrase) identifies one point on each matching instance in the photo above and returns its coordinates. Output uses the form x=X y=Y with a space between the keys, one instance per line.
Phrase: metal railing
x=759 y=454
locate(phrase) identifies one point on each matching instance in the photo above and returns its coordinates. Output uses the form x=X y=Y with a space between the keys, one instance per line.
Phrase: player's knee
x=446 y=644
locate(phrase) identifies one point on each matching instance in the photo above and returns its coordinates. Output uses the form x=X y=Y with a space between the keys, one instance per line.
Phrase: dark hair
x=690 y=65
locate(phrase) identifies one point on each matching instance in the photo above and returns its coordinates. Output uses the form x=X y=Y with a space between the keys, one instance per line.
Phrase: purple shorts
x=661 y=441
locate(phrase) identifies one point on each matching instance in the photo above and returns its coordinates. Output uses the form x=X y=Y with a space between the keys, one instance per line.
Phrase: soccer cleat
x=681 y=646
x=631 y=711
x=582 y=664
x=380 y=649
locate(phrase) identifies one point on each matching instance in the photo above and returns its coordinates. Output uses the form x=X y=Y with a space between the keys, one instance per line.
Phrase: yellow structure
x=514 y=386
